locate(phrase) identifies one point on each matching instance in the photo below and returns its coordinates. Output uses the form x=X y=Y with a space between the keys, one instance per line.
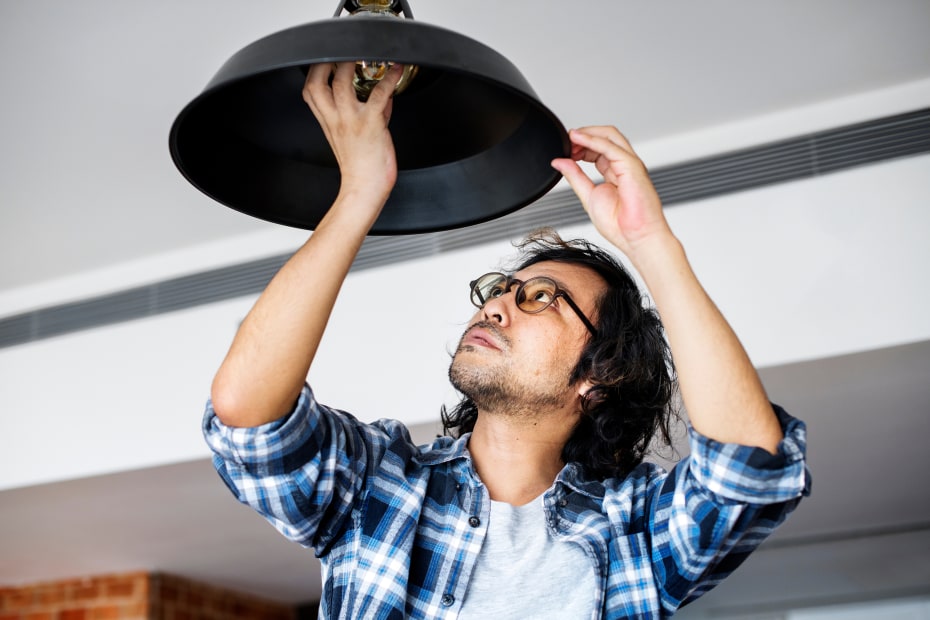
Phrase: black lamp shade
x=473 y=141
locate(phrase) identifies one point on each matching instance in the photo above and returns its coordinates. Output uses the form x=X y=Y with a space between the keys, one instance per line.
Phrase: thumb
x=580 y=183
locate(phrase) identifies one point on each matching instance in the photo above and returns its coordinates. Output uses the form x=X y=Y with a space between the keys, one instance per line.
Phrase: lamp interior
x=470 y=147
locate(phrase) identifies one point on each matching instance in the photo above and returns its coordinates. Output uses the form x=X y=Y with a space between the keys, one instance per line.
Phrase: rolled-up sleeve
x=719 y=504
x=750 y=475
x=302 y=472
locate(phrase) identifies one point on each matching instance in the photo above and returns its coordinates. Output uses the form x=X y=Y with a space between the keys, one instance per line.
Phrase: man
x=541 y=507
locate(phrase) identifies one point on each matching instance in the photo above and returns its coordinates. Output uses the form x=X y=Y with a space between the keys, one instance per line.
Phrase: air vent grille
x=787 y=160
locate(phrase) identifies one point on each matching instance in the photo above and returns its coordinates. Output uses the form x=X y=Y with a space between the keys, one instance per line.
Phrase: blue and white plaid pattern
x=398 y=527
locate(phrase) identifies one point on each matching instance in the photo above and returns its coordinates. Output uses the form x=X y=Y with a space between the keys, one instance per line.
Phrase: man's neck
x=518 y=458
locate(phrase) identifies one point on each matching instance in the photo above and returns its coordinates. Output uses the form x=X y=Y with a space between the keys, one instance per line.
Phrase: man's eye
x=497 y=291
x=542 y=296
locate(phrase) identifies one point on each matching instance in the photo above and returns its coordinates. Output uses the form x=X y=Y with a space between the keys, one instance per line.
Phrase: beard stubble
x=498 y=387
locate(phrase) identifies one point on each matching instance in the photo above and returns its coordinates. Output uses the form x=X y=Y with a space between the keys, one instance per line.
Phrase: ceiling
x=91 y=88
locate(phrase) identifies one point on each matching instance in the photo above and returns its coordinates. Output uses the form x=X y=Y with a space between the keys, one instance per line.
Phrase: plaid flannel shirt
x=398 y=527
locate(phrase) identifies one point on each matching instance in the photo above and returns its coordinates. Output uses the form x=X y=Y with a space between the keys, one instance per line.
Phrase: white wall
x=903 y=609
x=803 y=270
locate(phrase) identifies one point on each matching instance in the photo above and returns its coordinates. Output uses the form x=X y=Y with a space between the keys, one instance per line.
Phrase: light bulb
x=369 y=72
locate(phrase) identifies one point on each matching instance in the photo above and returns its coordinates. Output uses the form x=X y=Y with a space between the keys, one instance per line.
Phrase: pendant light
x=473 y=141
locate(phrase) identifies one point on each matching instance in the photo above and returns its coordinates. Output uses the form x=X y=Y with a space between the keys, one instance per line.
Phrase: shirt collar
x=444 y=450
x=447 y=449
x=572 y=476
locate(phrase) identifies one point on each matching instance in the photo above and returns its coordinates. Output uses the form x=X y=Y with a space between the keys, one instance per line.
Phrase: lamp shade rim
x=428 y=197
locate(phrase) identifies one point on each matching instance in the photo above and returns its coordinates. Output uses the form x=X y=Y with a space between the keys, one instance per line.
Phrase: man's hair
x=628 y=362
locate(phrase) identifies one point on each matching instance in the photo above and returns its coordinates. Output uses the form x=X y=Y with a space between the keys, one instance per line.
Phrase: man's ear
x=583 y=387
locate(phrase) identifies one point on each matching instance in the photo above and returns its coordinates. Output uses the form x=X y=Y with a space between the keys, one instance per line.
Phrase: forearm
x=720 y=388
x=269 y=359
x=268 y=362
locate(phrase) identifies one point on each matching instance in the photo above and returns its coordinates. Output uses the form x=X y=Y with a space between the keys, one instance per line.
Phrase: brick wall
x=134 y=596
x=174 y=598
x=123 y=597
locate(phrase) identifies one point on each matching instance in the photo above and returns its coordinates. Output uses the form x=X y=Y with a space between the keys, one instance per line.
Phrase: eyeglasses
x=532 y=296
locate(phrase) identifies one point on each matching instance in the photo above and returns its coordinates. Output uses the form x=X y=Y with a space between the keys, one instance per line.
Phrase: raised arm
x=267 y=364
x=721 y=390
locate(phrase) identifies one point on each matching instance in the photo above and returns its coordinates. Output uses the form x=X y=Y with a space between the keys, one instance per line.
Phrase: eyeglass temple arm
x=580 y=314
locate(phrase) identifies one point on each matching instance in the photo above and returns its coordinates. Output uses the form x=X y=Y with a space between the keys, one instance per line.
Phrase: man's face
x=515 y=362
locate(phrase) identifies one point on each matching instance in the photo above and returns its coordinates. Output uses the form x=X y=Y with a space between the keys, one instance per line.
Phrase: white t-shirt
x=522 y=572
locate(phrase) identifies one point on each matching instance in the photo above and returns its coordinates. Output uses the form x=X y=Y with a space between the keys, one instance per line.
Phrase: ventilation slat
x=786 y=160
x=799 y=154
x=18 y=329
x=737 y=175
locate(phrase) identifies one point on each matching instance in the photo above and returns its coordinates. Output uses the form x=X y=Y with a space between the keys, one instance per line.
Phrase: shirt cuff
x=752 y=475
x=259 y=446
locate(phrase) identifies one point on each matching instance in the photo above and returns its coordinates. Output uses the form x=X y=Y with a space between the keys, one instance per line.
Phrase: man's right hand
x=357 y=131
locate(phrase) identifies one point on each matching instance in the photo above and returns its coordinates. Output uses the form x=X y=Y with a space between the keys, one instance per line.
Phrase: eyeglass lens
x=532 y=296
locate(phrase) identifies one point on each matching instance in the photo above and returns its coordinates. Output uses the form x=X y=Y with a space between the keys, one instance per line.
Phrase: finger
x=383 y=91
x=577 y=179
x=585 y=147
x=610 y=133
x=580 y=153
x=597 y=146
x=316 y=92
x=603 y=165
x=343 y=90
x=388 y=110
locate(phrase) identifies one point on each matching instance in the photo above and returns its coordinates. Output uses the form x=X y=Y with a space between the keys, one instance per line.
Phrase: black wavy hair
x=628 y=361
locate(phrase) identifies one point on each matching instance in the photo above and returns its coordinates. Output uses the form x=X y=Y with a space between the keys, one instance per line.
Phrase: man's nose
x=500 y=308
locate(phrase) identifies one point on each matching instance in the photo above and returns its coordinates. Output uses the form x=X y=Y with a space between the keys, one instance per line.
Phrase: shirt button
x=474 y=521
x=447 y=600
x=563 y=502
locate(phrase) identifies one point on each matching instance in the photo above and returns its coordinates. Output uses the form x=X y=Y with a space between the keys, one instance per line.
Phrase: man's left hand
x=625 y=208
